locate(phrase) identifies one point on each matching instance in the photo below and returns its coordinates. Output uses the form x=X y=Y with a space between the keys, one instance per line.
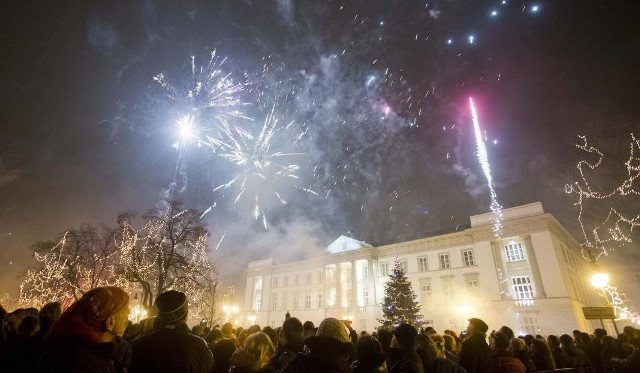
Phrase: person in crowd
x=222 y=352
x=368 y=356
x=87 y=336
x=352 y=333
x=633 y=335
x=520 y=351
x=608 y=352
x=503 y=359
x=385 y=337
x=594 y=349
x=308 y=329
x=254 y=329
x=254 y=355
x=227 y=331
x=429 y=331
x=450 y=347
x=577 y=358
x=330 y=350
x=48 y=314
x=291 y=343
x=431 y=354
x=560 y=357
x=270 y=332
x=171 y=348
x=507 y=331
x=402 y=355
x=541 y=355
x=213 y=337
x=475 y=355
x=23 y=352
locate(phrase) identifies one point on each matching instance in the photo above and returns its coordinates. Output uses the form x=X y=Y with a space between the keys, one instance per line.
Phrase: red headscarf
x=86 y=316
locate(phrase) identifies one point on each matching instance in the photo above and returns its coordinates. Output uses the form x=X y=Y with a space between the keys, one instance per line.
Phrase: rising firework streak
x=483 y=158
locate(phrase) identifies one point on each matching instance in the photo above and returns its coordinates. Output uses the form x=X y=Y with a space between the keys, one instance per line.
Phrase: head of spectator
x=450 y=343
x=227 y=331
x=222 y=352
x=14 y=319
x=553 y=341
x=291 y=334
x=599 y=333
x=429 y=330
x=541 y=355
x=369 y=354
x=271 y=333
x=575 y=333
x=404 y=337
x=255 y=353
x=29 y=326
x=477 y=327
x=213 y=337
x=48 y=314
x=438 y=341
x=385 y=337
x=507 y=331
x=254 y=329
x=427 y=350
x=517 y=346
x=99 y=316
x=499 y=341
x=527 y=339
x=308 y=329
x=173 y=308
x=198 y=330
x=566 y=341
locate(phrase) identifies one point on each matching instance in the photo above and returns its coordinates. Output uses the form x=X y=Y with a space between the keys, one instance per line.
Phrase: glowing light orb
x=535 y=8
x=449 y=41
x=472 y=39
x=494 y=13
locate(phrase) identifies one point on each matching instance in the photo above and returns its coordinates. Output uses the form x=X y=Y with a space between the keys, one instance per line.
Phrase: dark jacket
x=475 y=355
x=326 y=355
x=74 y=354
x=404 y=361
x=171 y=350
x=285 y=354
x=560 y=357
x=578 y=359
x=505 y=362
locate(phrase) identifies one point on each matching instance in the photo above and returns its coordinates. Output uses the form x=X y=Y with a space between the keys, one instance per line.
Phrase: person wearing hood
x=254 y=355
x=403 y=357
x=329 y=351
x=171 y=348
x=87 y=336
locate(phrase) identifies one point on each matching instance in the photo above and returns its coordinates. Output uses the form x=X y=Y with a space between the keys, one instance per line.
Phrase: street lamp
x=599 y=280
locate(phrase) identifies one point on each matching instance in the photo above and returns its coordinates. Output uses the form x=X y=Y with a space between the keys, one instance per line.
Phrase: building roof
x=344 y=244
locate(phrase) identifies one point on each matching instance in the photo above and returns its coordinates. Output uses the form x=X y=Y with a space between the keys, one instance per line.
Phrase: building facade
x=532 y=278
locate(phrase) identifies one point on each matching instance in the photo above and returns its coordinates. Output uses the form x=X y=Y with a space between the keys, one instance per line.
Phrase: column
x=500 y=264
x=535 y=270
x=373 y=297
x=353 y=302
x=339 y=286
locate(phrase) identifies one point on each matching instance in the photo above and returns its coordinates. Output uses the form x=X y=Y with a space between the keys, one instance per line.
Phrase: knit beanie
x=172 y=306
x=334 y=328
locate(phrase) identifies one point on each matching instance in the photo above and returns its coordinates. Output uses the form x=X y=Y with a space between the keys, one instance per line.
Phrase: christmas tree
x=399 y=304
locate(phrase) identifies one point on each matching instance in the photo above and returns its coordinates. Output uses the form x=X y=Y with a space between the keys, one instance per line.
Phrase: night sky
x=377 y=92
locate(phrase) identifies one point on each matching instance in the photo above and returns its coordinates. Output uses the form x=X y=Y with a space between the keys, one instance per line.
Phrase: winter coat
x=326 y=355
x=404 y=361
x=525 y=357
x=560 y=358
x=505 y=362
x=75 y=354
x=578 y=359
x=285 y=355
x=171 y=350
x=243 y=362
x=475 y=355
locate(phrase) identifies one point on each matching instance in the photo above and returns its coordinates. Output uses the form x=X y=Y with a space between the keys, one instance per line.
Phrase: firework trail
x=483 y=159
x=261 y=168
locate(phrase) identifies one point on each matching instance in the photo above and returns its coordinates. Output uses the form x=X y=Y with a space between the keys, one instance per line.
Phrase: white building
x=532 y=278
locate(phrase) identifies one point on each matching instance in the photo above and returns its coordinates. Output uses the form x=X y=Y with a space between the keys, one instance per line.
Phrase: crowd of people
x=95 y=335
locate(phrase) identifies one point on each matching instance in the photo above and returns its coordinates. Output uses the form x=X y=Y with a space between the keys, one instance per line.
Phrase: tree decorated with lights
x=399 y=304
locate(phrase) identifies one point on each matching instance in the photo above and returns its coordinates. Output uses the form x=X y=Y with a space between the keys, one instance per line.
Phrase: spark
x=471 y=39
x=221 y=239
x=483 y=159
x=535 y=8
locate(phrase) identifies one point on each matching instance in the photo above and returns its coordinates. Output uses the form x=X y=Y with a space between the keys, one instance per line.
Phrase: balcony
x=524 y=303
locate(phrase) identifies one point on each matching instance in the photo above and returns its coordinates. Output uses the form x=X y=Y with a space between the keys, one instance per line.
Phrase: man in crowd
x=171 y=348
x=402 y=355
x=475 y=355
x=291 y=343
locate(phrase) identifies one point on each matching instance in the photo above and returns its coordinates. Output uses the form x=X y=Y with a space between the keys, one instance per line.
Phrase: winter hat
x=480 y=325
x=405 y=334
x=172 y=306
x=333 y=328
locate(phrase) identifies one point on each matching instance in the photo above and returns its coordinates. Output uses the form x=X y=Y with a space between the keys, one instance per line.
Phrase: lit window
x=403 y=265
x=366 y=297
x=447 y=290
x=467 y=258
x=257 y=302
x=422 y=264
x=274 y=301
x=444 y=261
x=384 y=269
x=523 y=290
x=307 y=301
x=472 y=286
x=514 y=252
x=529 y=324
x=365 y=272
x=257 y=293
x=426 y=292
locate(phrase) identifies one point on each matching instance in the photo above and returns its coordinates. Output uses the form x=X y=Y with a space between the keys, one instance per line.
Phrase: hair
x=222 y=352
x=450 y=343
x=385 y=337
x=438 y=341
x=29 y=326
x=271 y=333
x=259 y=346
x=227 y=328
x=427 y=350
x=516 y=345
x=566 y=340
x=507 y=331
x=369 y=352
x=292 y=330
x=553 y=341
x=541 y=355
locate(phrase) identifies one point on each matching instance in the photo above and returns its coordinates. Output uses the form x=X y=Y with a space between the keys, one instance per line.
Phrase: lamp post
x=600 y=281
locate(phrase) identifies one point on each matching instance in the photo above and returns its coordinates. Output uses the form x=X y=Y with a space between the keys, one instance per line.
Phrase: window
x=319 y=300
x=422 y=264
x=467 y=258
x=426 y=292
x=514 y=252
x=365 y=272
x=285 y=281
x=529 y=324
x=274 y=281
x=257 y=293
x=257 y=302
x=319 y=277
x=522 y=290
x=284 y=301
x=274 y=301
x=447 y=290
x=444 y=261
x=472 y=286
x=365 y=297
x=294 y=306
x=403 y=265
x=384 y=269
x=307 y=301
x=296 y=280
x=308 y=278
